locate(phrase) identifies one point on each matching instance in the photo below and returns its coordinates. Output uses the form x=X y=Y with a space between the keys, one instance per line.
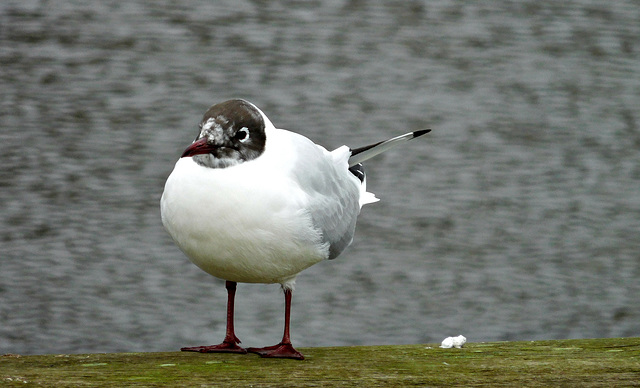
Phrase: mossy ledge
x=586 y=362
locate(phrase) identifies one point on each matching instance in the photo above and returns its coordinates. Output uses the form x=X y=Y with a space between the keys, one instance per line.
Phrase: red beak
x=198 y=147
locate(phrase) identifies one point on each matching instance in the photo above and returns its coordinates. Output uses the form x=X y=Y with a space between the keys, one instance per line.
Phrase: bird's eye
x=242 y=134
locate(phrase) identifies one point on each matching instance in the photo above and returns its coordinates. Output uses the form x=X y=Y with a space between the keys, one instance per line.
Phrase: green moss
x=591 y=362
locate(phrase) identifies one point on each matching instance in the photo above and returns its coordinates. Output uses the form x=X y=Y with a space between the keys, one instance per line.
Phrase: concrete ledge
x=591 y=362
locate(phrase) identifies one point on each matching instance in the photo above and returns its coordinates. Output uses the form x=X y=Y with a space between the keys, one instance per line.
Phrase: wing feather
x=333 y=193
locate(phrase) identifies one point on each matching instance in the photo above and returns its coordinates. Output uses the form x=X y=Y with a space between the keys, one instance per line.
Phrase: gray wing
x=333 y=193
x=336 y=220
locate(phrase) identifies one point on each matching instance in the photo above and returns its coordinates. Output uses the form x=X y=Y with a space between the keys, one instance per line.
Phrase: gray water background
x=517 y=218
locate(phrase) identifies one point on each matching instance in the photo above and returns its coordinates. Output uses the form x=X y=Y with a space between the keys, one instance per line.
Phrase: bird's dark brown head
x=231 y=133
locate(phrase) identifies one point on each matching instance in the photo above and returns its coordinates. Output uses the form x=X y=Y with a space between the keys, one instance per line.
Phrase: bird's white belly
x=238 y=225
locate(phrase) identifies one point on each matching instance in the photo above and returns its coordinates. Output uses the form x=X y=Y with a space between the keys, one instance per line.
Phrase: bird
x=249 y=203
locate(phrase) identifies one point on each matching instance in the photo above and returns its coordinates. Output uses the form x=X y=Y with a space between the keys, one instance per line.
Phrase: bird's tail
x=359 y=155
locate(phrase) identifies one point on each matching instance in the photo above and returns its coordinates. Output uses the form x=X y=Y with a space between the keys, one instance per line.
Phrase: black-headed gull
x=248 y=202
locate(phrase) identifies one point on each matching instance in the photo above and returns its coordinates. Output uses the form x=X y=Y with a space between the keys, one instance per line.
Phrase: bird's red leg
x=284 y=349
x=230 y=342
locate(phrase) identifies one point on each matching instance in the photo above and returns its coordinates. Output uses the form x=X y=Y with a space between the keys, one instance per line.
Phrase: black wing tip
x=420 y=132
x=358 y=171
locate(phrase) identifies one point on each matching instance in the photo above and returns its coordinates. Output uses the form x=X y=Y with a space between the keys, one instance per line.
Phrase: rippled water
x=517 y=218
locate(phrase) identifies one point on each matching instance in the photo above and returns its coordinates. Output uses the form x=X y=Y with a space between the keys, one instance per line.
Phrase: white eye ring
x=243 y=134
